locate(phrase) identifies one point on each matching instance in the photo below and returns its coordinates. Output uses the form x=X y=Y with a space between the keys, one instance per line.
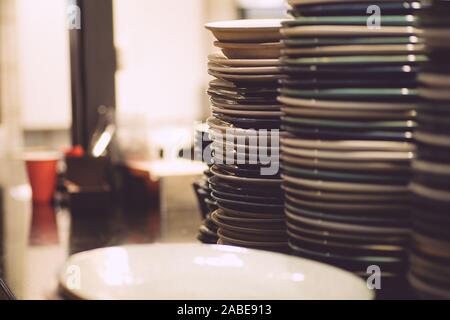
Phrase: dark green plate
x=355 y=60
x=386 y=72
x=385 y=20
x=354 y=93
x=316 y=42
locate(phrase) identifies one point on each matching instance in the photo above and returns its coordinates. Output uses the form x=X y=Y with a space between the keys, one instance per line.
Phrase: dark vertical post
x=93 y=66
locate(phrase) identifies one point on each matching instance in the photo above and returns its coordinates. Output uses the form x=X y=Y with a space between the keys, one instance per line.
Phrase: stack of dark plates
x=349 y=105
x=246 y=184
x=202 y=149
x=430 y=255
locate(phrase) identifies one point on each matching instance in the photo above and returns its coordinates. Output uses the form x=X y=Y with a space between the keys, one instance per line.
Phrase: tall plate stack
x=208 y=230
x=245 y=126
x=430 y=256
x=349 y=105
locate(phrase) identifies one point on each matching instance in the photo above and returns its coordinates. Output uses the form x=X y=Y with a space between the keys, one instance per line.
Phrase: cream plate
x=338 y=30
x=195 y=271
x=251 y=30
x=219 y=58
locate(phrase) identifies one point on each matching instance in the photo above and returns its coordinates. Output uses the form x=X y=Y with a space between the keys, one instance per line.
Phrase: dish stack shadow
x=349 y=107
x=244 y=126
x=208 y=230
x=430 y=255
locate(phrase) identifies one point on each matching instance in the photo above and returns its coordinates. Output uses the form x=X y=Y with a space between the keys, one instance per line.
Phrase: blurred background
x=153 y=72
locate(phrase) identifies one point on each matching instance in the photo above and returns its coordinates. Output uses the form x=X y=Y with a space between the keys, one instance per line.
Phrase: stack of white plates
x=245 y=126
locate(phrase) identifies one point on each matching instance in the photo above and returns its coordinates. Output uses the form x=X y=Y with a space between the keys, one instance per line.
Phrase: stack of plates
x=202 y=149
x=430 y=256
x=349 y=105
x=245 y=129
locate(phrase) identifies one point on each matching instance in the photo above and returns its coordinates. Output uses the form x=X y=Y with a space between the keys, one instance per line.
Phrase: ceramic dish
x=385 y=20
x=349 y=145
x=355 y=60
x=245 y=274
x=345 y=105
x=344 y=196
x=344 y=187
x=248 y=113
x=221 y=59
x=246 y=30
x=349 y=155
x=354 y=50
x=243 y=70
x=268 y=50
x=351 y=31
x=344 y=114
x=246 y=77
x=259 y=181
x=350 y=41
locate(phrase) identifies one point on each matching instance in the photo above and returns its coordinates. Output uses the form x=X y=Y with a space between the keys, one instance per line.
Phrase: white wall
x=43 y=61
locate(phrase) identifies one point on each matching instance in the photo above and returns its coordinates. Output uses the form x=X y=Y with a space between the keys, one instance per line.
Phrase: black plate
x=341 y=71
x=247 y=205
x=252 y=190
x=356 y=8
x=345 y=82
x=312 y=231
x=316 y=133
x=360 y=219
x=250 y=123
x=355 y=264
x=318 y=174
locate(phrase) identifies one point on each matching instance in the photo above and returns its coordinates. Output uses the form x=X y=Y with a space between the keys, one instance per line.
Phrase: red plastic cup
x=41 y=168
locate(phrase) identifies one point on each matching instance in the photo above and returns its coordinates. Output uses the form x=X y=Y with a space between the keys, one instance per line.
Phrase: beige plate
x=267 y=50
x=247 y=113
x=220 y=58
x=246 y=77
x=433 y=79
x=253 y=107
x=246 y=30
x=345 y=105
x=355 y=49
x=244 y=70
x=339 y=30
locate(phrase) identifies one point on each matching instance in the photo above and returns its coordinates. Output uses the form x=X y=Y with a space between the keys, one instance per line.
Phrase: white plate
x=246 y=30
x=243 y=70
x=349 y=155
x=432 y=138
x=220 y=58
x=195 y=271
x=345 y=186
x=267 y=50
x=356 y=49
x=345 y=105
x=349 y=145
x=339 y=30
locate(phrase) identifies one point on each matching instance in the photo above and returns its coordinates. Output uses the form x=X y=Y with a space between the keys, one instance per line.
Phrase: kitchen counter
x=36 y=239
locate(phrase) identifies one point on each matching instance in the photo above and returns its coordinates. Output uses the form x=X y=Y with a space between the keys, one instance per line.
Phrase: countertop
x=35 y=240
